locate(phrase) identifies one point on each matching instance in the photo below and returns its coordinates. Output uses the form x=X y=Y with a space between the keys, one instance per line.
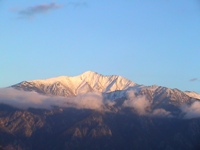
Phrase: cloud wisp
x=37 y=9
x=194 y=80
x=77 y=4
x=43 y=8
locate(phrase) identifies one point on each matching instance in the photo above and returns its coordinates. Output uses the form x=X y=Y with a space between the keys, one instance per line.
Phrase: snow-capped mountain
x=118 y=114
x=112 y=87
x=72 y=86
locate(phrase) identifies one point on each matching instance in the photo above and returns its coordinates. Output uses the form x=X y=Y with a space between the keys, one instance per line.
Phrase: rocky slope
x=61 y=128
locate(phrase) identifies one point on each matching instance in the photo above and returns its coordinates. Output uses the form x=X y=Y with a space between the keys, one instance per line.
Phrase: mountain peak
x=89 y=72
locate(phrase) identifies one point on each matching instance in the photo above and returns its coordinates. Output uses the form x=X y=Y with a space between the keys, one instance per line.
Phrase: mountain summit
x=72 y=86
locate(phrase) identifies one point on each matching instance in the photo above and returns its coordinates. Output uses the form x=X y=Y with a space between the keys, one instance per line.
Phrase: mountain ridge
x=111 y=85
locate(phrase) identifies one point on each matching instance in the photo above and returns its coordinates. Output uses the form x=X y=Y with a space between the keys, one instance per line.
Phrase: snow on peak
x=89 y=73
x=112 y=87
x=87 y=82
x=193 y=94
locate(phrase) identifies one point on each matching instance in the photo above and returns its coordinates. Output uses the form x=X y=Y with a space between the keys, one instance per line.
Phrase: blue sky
x=148 y=42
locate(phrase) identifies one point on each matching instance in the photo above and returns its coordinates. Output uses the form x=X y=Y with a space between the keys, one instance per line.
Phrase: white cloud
x=139 y=103
x=143 y=106
x=23 y=99
x=161 y=113
x=191 y=111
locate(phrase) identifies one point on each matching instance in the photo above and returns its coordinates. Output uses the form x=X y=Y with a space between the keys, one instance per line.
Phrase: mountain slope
x=77 y=129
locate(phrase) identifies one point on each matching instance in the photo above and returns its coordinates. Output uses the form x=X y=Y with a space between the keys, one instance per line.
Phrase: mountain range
x=93 y=111
x=94 y=82
x=112 y=88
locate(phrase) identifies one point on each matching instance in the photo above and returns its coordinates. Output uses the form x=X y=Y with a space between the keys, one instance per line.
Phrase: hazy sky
x=146 y=41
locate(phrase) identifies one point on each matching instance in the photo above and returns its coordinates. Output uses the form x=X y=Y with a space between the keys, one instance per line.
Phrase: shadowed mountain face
x=61 y=128
x=92 y=111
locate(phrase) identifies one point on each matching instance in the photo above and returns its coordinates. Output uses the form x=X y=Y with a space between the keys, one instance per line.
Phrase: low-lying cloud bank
x=95 y=101
x=23 y=99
